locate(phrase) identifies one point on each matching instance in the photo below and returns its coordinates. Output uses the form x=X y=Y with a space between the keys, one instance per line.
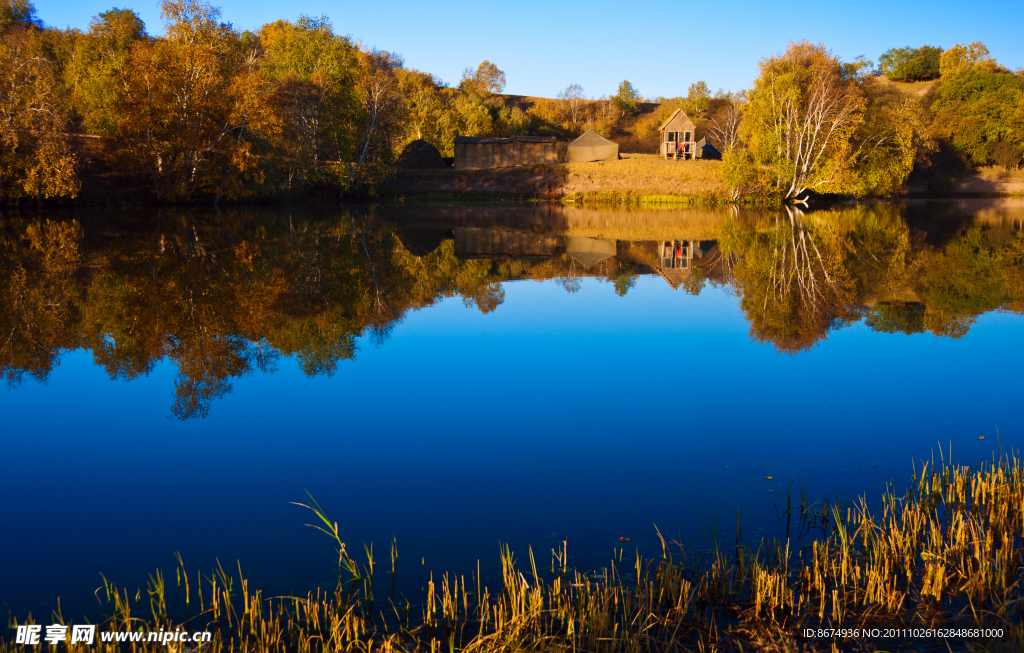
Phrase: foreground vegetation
x=947 y=553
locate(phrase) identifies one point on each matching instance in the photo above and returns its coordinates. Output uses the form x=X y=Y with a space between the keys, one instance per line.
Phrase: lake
x=450 y=378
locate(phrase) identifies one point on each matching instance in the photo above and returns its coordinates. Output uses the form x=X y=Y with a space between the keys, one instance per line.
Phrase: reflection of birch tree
x=383 y=308
x=793 y=280
x=571 y=281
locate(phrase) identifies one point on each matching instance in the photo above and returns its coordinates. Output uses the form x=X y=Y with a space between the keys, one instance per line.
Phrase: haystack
x=418 y=155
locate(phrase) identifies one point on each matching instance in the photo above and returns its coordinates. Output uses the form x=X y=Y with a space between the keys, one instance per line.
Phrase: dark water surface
x=456 y=378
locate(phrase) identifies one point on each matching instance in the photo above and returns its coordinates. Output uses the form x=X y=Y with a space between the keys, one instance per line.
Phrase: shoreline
x=644 y=181
x=648 y=180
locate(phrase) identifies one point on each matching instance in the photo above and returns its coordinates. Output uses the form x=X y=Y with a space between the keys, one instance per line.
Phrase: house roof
x=674 y=276
x=511 y=139
x=673 y=116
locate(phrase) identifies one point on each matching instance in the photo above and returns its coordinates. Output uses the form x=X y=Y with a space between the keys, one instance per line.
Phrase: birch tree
x=191 y=100
x=724 y=125
x=815 y=124
x=314 y=72
x=802 y=114
x=36 y=157
x=379 y=89
x=572 y=102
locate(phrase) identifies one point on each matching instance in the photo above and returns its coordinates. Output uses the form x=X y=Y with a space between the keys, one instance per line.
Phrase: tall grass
x=948 y=552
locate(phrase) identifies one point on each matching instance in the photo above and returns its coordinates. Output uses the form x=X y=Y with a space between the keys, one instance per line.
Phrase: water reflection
x=225 y=294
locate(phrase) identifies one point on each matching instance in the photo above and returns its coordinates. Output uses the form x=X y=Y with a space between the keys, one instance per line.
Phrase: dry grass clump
x=948 y=553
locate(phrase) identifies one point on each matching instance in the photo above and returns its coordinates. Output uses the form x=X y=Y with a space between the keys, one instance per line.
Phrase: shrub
x=1005 y=154
x=910 y=64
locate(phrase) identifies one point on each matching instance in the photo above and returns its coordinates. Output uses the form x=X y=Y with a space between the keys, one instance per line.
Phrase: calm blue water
x=582 y=416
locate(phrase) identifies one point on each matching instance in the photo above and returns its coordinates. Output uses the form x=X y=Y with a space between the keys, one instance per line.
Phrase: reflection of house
x=476 y=242
x=675 y=259
x=677 y=136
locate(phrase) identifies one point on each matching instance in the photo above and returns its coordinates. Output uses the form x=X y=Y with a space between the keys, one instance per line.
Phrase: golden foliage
x=190 y=101
x=36 y=157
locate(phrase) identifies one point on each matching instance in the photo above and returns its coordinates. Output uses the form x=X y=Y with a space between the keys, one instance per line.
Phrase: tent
x=591 y=146
x=589 y=251
x=706 y=150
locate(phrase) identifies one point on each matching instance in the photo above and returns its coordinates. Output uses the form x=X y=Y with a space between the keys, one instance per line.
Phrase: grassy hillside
x=636 y=134
x=636 y=178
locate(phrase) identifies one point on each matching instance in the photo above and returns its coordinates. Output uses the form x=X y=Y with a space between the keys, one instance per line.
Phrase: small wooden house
x=677 y=136
x=475 y=153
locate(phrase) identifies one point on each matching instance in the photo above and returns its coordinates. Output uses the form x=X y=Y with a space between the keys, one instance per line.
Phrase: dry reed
x=948 y=553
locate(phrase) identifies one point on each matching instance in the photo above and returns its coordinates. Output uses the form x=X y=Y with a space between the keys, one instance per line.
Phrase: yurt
x=591 y=146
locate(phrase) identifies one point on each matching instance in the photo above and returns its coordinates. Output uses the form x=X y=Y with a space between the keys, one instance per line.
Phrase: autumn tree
x=887 y=142
x=979 y=107
x=438 y=113
x=572 y=102
x=379 y=133
x=626 y=100
x=811 y=125
x=99 y=68
x=425 y=106
x=487 y=79
x=962 y=57
x=314 y=73
x=723 y=124
x=36 y=156
x=192 y=100
x=910 y=64
x=697 y=97
x=18 y=12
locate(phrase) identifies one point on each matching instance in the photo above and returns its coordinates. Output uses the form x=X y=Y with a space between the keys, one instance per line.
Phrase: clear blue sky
x=660 y=46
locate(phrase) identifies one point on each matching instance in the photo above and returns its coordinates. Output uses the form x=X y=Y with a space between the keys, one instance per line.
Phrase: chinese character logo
x=28 y=635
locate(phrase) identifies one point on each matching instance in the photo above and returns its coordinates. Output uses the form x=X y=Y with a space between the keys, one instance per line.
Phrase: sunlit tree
x=191 y=100
x=815 y=124
x=314 y=73
x=36 y=155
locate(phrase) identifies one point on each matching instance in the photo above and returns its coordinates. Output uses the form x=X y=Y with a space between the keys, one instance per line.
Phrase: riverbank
x=939 y=568
x=641 y=179
x=636 y=178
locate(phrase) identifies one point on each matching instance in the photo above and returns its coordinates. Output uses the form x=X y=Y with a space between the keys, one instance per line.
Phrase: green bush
x=1005 y=154
x=910 y=64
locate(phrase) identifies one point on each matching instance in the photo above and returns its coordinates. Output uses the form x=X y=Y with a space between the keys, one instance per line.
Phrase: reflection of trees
x=802 y=276
x=38 y=294
x=794 y=285
x=222 y=296
x=897 y=317
x=571 y=281
x=978 y=271
x=624 y=278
